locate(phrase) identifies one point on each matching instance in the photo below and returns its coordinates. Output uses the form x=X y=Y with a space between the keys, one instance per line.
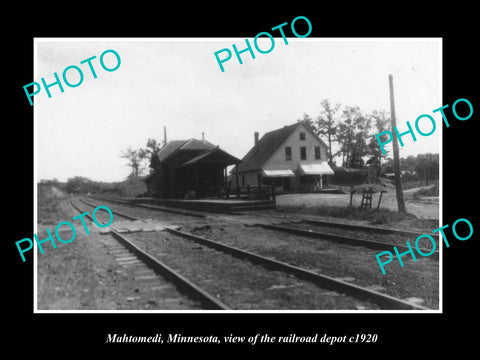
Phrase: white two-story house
x=293 y=158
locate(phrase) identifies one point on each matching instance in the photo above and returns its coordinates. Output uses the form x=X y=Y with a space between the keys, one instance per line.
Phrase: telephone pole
x=396 y=157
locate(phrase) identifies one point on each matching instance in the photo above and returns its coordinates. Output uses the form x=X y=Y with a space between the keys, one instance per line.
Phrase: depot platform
x=220 y=205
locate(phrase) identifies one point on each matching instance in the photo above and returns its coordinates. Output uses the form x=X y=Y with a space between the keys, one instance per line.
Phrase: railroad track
x=152 y=207
x=383 y=301
x=347 y=226
x=372 y=244
x=350 y=240
x=372 y=229
x=321 y=223
x=193 y=212
x=183 y=284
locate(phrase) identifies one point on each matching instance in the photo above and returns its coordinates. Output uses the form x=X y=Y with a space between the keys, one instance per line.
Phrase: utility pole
x=396 y=156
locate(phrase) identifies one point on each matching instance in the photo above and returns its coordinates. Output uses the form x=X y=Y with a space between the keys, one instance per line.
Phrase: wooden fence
x=249 y=192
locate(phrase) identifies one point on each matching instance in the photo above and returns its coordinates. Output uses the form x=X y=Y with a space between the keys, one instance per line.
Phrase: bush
x=48 y=201
x=376 y=217
x=348 y=177
x=133 y=188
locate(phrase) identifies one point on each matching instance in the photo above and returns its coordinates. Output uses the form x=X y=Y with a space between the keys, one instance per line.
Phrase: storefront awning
x=277 y=173
x=316 y=169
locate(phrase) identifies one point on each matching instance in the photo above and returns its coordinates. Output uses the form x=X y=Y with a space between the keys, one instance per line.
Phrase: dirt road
x=427 y=208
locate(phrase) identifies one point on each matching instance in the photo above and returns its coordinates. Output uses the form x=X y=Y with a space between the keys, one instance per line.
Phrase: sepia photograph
x=209 y=175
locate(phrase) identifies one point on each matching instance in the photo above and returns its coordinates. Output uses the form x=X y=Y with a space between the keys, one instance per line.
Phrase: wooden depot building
x=188 y=169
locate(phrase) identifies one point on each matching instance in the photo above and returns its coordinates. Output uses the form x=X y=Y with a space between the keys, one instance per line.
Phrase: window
x=303 y=153
x=302 y=136
x=288 y=153
x=317 y=152
x=243 y=180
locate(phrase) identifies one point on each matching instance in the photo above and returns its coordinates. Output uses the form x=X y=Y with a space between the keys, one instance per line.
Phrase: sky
x=176 y=83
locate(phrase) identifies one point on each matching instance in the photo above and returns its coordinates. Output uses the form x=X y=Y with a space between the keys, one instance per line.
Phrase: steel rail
x=182 y=283
x=367 y=228
x=113 y=211
x=377 y=245
x=383 y=300
x=171 y=209
x=149 y=206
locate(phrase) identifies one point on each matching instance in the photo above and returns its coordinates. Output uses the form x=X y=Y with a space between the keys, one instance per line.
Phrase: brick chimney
x=256 y=137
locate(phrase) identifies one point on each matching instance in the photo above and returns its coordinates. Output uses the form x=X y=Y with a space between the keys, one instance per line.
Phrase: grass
x=419 y=279
x=375 y=217
x=410 y=184
x=431 y=191
x=49 y=210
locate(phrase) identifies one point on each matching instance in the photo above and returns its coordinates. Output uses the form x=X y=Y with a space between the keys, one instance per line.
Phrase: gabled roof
x=169 y=148
x=194 y=144
x=268 y=144
x=214 y=155
x=175 y=145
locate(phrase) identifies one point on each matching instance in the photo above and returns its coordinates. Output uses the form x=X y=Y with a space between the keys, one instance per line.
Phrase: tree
x=351 y=135
x=344 y=130
x=427 y=166
x=134 y=157
x=53 y=181
x=381 y=121
x=78 y=185
x=309 y=121
x=151 y=150
x=409 y=163
x=326 y=124
x=419 y=167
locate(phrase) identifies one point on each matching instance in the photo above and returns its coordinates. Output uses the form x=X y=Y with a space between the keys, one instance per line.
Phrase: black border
x=405 y=334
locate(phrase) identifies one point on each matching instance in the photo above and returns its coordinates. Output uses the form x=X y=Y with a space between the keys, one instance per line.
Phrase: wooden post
x=273 y=194
x=161 y=182
x=396 y=156
x=225 y=185
x=197 y=180
x=236 y=174
x=259 y=185
x=172 y=183
x=248 y=191
x=351 y=195
x=236 y=180
x=380 y=199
